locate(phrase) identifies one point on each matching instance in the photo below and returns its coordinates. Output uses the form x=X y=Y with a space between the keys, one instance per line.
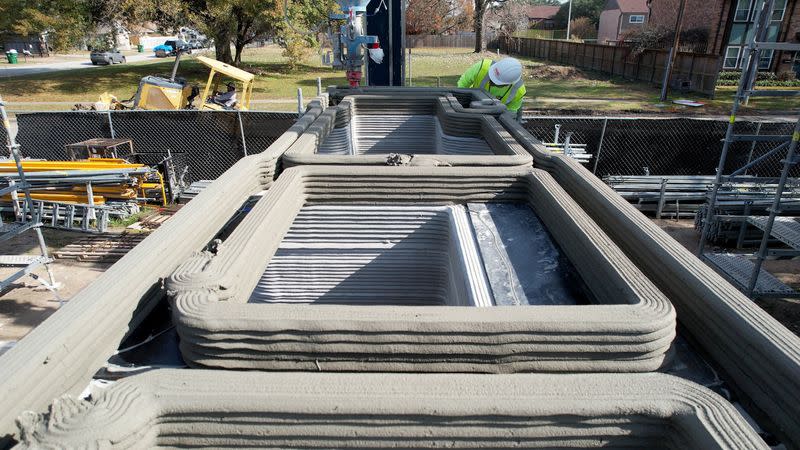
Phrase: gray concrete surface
x=15 y=70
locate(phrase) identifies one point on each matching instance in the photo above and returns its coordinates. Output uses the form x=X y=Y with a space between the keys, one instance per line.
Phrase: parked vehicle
x=106 y=57
x=178 y=44
x=162 y=51
x=196 y=44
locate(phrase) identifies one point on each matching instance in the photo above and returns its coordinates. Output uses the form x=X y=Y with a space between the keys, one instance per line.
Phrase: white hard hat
x=505 y=71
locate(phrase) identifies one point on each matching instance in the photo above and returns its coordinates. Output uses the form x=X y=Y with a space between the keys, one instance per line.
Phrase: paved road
x=10 y=70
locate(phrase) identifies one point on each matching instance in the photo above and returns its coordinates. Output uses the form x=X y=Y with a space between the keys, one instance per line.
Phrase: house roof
x=542 y=11
x=633 y=6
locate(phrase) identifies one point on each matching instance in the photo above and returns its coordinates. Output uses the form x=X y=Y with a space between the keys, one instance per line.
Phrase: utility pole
x=569 y=17
x=673 y=52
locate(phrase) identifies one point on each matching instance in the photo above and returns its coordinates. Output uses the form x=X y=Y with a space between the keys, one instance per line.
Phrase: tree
x=481 y=6
x=582 y=28
x=590 y=9
x=65 y=22
x=506 y=19
x=437 y=16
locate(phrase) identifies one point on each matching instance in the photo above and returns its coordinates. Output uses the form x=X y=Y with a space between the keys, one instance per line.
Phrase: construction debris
x=84 y=195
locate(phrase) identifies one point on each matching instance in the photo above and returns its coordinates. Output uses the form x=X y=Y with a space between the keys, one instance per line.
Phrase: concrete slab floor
x=25 y=305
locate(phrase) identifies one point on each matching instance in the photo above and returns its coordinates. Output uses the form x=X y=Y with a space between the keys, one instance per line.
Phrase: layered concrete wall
x=630 y=330
x=409 y=129
x=760 y=356
x=173 y=408
x=62 y=354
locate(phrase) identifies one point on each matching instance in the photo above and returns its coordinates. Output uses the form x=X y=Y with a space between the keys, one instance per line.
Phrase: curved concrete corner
x=629 y=329
x=63 y=353
x=408 y=129
x=761 y=356
x=370 y=410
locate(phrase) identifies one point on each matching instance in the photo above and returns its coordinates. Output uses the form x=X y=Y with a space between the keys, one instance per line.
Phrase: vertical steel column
x=600 y=145
x=752 y=148
x=111 y=125
x=775 y=209
x=241 y=132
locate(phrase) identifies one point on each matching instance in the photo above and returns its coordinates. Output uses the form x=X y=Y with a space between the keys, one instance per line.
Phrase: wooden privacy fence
x=454 y=40
x=693 y=71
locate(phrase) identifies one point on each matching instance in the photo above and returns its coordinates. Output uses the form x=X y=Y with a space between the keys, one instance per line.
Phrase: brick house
x=619 y=16
x=540 y=17
x=730 y=24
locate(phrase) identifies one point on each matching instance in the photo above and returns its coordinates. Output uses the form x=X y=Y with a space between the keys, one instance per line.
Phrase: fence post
x=300 y=101
x=600 y=145
x=241 y=131
x=319 y=86
x=752 y=147
x=111 y=124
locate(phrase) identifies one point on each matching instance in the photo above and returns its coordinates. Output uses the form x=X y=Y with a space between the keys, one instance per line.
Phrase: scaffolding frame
x=746 y=89
x=26 y=263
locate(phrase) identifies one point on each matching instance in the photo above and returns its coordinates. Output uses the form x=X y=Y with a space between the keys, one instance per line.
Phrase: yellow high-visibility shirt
x=478 y=72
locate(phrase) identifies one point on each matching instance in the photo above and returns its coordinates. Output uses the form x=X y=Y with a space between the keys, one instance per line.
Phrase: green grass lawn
x=549 y=87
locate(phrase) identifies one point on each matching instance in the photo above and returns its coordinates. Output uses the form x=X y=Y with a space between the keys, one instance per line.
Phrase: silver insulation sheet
x=368 y=255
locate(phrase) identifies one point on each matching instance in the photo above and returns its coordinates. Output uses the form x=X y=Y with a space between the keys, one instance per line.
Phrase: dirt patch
x=554 y=73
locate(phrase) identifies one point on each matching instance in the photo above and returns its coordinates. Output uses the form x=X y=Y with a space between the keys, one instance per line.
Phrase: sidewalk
x=12 y=70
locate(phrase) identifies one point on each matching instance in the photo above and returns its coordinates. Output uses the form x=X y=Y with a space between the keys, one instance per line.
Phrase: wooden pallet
x=107 y=248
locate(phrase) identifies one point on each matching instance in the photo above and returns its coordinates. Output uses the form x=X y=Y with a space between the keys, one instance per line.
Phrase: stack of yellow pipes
x=66 y=181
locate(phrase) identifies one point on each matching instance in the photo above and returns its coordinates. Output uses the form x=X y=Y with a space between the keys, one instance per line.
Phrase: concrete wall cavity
x=376 y=255
x=759 y=355
x=63 y=353
x=629 y=331
x=417 y=129
x=172 y=408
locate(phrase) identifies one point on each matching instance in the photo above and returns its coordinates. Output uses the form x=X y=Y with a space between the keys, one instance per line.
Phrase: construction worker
x=227 y=99
x=502 y=79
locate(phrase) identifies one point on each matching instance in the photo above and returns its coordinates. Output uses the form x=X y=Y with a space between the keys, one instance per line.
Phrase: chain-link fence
x=663 y=146
x=203 y=145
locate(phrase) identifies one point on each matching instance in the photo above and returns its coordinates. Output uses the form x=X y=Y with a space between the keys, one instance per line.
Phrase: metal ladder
x=26 y=263
x=747 y=89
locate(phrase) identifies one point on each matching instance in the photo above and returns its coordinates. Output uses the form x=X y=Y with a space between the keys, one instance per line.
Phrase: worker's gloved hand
x=376 y=54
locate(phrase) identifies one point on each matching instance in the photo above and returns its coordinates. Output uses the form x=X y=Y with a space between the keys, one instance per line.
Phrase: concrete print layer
x=470 y=101
x=631 y=330
x=759 y=355
x=415 y=130
x=61 y=355
x=173 y=408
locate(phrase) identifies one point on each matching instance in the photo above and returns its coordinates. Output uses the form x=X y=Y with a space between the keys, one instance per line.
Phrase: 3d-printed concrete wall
x=174 y=408
x=759 y=355
x=409 y=129
x=63 y=353
x=629 y=330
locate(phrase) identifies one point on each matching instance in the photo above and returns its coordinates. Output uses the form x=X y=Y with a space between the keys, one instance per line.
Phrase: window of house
x=731 y=58
x=778 y=10
x=742 y=13
x=765 y=60
x=639 y=18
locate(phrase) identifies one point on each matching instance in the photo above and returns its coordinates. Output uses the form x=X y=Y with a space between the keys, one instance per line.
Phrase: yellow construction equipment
x=173 y=93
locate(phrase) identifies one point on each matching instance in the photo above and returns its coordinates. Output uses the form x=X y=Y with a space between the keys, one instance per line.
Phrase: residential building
x=541 y=17
x=619 y=16
x=730 y=25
